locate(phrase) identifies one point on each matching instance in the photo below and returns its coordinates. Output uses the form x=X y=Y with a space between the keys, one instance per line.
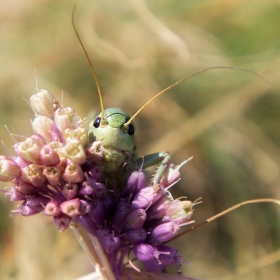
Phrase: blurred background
x=227 y=119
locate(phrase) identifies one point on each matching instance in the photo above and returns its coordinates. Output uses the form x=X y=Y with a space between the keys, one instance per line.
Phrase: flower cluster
x=59 y=172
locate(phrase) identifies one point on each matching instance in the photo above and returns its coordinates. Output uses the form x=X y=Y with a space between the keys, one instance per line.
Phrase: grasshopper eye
x=96 y=122
x=130 y=129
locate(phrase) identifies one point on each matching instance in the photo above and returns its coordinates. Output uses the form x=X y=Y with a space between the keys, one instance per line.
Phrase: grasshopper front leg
x=153 y=159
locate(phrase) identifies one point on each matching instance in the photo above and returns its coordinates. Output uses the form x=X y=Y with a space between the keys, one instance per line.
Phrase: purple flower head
x=60 y=172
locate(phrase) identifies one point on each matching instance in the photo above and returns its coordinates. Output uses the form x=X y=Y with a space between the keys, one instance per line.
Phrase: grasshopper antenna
x=90 y=64
x=187 y=78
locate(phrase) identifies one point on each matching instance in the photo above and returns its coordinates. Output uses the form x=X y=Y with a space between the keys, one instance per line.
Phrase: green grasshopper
x=115 y=129
x=120 y=146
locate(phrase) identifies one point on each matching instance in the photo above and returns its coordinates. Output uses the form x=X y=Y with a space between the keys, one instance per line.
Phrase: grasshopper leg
x=163 y=158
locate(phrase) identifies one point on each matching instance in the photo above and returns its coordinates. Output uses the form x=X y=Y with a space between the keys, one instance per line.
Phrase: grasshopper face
x=112 y=132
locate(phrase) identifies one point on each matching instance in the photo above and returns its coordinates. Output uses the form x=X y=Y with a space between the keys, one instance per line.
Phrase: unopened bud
x=66 y=118
x=146 y=197
x=73 y=173
x=74 y=150
x=48 y=156
x=144 y=252
x=33 y=205
x=70 y=190
x=33 y=175
x=158 y=210
x=53 y=174
x=136 y=219
x=30 y=149
x=42 y=125
x=135 y=235
x=136 y=182
x=172 y=174
x=43 y=103
x=79 y=132
x=164 y=232
x=62 y=222
x=9 y=170
x=110 y=242
x=52 y=208
x=71 y=207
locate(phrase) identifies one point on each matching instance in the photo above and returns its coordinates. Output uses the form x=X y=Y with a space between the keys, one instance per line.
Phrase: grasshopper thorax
x=112 y=130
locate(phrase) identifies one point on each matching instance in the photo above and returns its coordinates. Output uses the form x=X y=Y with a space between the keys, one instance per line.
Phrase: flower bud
x=110 y=242
x=43 y=103
x=33 y=205
x=79 y=132
x=25 y=188
x=164 y=232
x=53 y=174
x=52 y=208
x=172 y=174
x=66 y=118
x=145 y=252
x=73 y=173
x=167 y=256
x=70 y=190
x=135 y=235
x=74 y=150
x=179 y=211
x=71 y=207
x=135 y=219
x=42 y=125
x=20 y=161
x=14 y=194
x=62 y=222
x=85 y=206
x=158 y=210
x=9 y=170
x=86 y=189
x=33 y=175
x=56 y=135
x=30 y=149
x=136 y=182
x=146 y=197
x=48 y=156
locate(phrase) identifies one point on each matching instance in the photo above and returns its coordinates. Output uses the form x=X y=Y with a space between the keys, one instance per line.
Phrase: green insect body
x=118 y=140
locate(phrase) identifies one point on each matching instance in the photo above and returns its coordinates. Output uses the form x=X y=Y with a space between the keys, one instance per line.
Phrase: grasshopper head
x=112 y=131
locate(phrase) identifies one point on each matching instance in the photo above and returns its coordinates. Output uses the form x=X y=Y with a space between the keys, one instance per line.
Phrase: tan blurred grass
x=227 y=120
